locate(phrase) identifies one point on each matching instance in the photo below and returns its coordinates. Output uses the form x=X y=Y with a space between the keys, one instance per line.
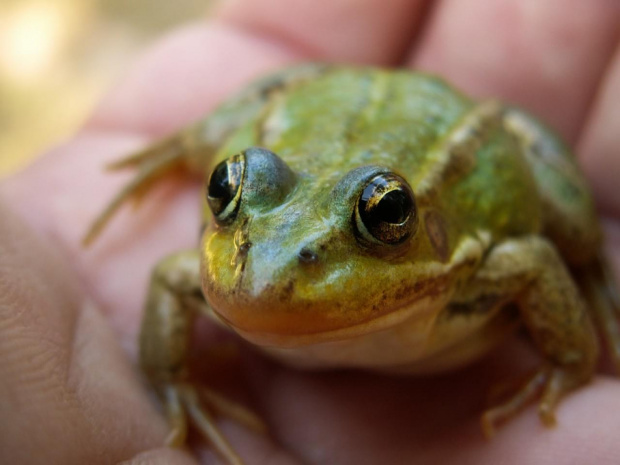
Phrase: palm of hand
x=554 y=60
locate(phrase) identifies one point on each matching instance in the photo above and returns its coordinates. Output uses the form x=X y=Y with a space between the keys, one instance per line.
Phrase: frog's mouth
x=423 y=311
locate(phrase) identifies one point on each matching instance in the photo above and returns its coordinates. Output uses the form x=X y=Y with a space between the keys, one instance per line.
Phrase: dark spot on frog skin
x=271 y=88
x=307 y=256
x=242 y=245
x=463 y=163
x=330 y=242
x=288 y=290
x=480 y=306
x=244 y=248
x=436 y=231
x=429 y=287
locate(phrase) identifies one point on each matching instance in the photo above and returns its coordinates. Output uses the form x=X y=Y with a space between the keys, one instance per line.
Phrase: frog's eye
x=386 y=212
x=224 y=189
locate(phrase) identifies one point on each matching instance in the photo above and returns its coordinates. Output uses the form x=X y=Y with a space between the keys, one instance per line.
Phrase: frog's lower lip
x=418 y=309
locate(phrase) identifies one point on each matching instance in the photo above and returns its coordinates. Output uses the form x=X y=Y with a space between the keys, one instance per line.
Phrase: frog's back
x=568 y=212
x=349 y=117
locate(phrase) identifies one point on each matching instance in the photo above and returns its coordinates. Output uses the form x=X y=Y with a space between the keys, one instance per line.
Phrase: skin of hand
x=69 y=393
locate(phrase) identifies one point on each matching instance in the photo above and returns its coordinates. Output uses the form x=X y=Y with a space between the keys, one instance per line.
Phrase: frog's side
x=490 y=210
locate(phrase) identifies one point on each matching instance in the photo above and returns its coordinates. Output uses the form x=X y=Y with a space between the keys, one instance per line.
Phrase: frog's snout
x=268 y=265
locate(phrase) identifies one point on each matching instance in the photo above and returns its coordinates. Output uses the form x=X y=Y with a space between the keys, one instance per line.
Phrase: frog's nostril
x=306 y=255
x=245 y=247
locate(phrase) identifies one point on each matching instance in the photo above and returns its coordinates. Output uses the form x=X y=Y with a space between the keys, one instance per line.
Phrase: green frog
x=380 y=219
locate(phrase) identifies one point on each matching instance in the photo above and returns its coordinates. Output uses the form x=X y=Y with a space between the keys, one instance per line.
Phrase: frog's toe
x=205 y=422
x=176 y=417
x=503 y=412
x=224 y=407
x=201 y=405
x=153 y=164
x=549 y=382
x=559 y=382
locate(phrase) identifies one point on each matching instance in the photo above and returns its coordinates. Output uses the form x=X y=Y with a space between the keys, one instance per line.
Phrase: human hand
x=68 y=394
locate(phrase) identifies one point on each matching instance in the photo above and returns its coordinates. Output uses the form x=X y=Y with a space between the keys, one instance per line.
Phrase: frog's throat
x=425 y=310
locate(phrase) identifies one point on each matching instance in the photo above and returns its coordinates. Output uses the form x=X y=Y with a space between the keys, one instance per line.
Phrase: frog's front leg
x=530 y=272
x=174 y=299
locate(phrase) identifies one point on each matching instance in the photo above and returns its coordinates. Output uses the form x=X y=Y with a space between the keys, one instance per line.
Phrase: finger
x=588 y=415
x=163 y=456
x=600 y=145
x=365 y=418
x=184 y=76
x=546 y=56
x=62 y=371
x=117 y=268
x=411 y=419
x=188 y=72
x=361 y=31
x=67 y=393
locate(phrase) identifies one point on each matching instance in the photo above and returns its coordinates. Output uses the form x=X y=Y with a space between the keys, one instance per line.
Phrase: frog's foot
x=202 y=405
x=549 y=383
x=173 y=154
x=530 y=271
x=174 y=298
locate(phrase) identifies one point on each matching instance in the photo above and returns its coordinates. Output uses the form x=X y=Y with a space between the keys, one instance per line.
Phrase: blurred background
x=57 y=57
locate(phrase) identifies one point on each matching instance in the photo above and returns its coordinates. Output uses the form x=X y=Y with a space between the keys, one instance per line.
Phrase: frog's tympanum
x=358 y=217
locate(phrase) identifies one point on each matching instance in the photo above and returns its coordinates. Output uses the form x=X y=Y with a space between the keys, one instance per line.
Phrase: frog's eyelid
x=349 y=187
x=268 y=179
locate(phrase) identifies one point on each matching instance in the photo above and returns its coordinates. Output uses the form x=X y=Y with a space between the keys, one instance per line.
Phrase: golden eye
x=224 y=188
x=386 y=212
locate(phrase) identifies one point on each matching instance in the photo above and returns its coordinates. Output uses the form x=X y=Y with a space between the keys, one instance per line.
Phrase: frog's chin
x=422 y=312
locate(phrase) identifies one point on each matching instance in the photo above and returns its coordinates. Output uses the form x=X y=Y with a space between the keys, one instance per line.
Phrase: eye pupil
x=219 y=187
x=394 y=207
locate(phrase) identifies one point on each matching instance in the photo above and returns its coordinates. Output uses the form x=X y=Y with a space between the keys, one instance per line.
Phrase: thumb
x=67 y=394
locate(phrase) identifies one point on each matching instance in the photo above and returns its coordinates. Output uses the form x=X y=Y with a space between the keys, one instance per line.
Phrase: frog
x=378 y=219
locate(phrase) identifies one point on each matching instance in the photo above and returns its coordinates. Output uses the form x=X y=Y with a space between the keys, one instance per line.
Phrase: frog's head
x=292 y=258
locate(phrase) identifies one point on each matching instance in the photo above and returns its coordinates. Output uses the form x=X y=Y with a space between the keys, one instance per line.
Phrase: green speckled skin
x=349 y=118
x=324 y=128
